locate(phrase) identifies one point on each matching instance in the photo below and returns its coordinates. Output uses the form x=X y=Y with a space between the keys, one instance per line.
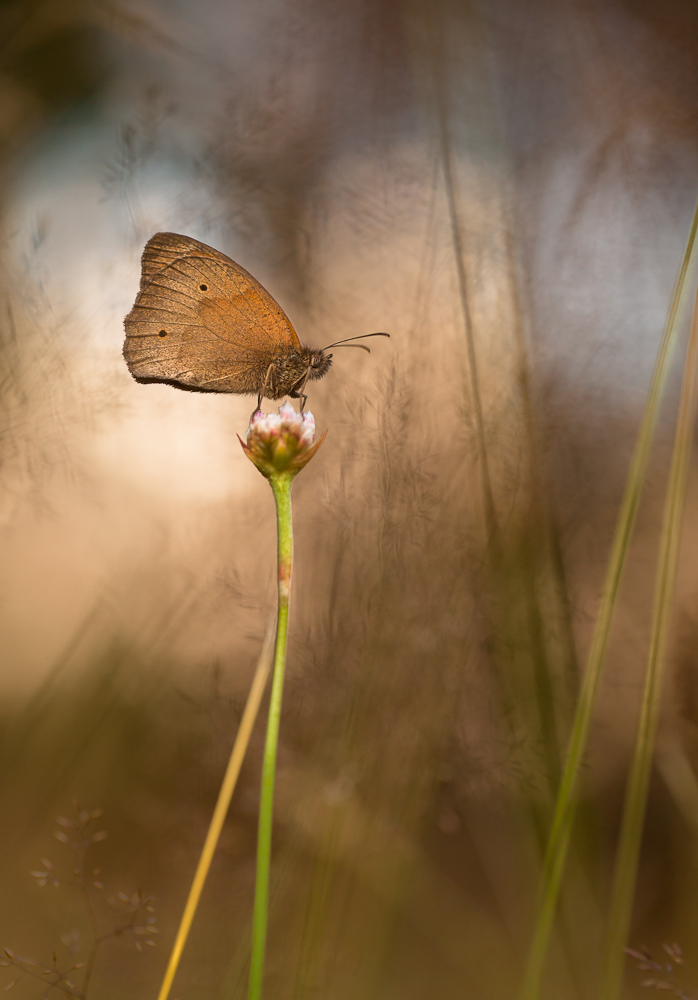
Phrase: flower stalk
x=280 y=446
x=281 y=487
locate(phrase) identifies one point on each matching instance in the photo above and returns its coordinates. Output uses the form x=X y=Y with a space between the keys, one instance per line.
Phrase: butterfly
x=202 y=322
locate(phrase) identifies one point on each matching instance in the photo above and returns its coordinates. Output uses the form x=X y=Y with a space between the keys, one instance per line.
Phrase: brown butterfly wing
x=201 y=321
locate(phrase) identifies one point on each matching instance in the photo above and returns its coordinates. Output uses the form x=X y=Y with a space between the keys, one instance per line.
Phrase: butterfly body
x=203 y=323
x=292 y=369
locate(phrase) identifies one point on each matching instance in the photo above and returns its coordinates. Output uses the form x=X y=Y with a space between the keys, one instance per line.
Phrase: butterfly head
x=319 y=364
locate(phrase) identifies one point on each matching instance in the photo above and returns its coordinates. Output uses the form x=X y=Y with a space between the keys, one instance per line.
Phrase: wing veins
x=263 y=297
x=244 y=297
x=235 y=371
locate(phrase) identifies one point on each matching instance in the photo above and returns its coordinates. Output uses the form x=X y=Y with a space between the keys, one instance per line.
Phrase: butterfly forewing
x=202 y=321
x=165 y=248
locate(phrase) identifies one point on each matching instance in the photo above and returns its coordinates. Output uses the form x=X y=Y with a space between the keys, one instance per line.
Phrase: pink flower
x=281 y=443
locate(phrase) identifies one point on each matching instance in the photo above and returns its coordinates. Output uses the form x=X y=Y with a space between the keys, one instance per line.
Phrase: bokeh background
x=504 y=186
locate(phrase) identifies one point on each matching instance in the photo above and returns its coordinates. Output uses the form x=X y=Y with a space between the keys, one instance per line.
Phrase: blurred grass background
x=505 y=187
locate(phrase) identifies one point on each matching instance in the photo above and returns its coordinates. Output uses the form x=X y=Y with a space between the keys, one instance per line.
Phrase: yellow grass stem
x=237 y=755
x=636 y=792
x=565 y=805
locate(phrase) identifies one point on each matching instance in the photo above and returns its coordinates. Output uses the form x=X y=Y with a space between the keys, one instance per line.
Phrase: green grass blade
x=638 y=782
x=563 y=818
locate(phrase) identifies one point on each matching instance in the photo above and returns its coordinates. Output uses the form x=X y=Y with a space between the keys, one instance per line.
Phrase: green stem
x=281 y=486
x=636 y=793
x=565 y=806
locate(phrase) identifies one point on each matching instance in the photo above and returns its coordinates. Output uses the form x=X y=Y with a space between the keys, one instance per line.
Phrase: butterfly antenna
x=339 y=343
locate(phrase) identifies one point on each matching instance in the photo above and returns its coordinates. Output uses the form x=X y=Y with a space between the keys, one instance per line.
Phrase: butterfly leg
x=297 y=391
x=268 y=378
x=258 y=407
x=299 y=394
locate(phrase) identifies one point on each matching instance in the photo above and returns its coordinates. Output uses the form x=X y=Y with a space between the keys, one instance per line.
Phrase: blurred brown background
x=504 y=186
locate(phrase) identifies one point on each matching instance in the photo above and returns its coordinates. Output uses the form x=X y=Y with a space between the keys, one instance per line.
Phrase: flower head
x=281 y=443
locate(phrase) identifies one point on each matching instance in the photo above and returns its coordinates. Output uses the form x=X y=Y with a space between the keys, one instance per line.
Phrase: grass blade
x=237 y=755
x=563 y=818
x=638 y=782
